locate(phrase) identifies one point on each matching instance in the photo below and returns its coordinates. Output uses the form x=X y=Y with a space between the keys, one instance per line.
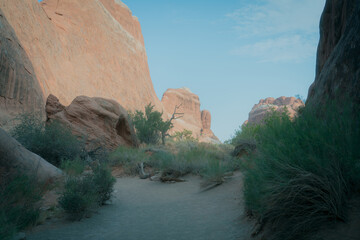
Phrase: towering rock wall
x=19 y=89
x=84 y=47
x=338 y=56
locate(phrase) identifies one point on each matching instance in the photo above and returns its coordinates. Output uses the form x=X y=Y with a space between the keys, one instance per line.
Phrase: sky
x=230 y=53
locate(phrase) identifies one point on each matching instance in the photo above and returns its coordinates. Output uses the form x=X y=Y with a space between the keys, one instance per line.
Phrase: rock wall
x=19 y=88
x=338 y=55
x=72 y=48
x=260 y=110
x=195 y=120
x=83 y=47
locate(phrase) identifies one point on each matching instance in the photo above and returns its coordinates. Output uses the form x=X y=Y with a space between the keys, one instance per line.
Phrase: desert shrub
x=18 y=204
x=84 y=193
x=52 y=141
x=128 y=158
x=304 y=170
x=103 y=182
x=79 y=196
x=149 y=125
x=73 y=167
x=185 y=135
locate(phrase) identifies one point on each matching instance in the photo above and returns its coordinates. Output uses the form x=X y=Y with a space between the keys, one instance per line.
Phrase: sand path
x=142 y=209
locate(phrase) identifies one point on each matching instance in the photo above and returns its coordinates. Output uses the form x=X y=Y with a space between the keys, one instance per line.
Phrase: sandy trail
x=143 y=209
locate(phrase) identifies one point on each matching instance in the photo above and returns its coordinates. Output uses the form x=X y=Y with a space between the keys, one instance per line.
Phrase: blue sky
x=231 y=53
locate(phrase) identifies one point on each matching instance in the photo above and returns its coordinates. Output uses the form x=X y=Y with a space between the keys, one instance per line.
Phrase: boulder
x=261 y=110
x=338 y=55
x=14 y=157
x=101 y=122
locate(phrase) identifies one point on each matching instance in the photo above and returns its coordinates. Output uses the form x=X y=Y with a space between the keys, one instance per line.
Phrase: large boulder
x=338 y=56
x=193 y=119
x=14 y=157
x=261 y=110
x=102 y=122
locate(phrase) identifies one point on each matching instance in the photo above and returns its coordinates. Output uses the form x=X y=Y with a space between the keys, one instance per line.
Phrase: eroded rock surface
x=19 y=89
x=195 y=120
x=103 y=122
x=260 y=110
x=76 y=47
x=338 y=56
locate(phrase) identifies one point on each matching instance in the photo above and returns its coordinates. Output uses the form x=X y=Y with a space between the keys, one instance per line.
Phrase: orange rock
x=194 y=120
x=260 y=110
x=84 y=47
x=103 y=122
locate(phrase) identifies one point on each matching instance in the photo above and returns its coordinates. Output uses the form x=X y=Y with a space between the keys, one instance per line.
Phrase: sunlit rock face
x=83 y=47
x=261 y=110
x=195 y=120
x=338 y=56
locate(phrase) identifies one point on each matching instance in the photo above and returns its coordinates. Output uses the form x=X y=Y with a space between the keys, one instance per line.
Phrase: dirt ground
x=142 y=209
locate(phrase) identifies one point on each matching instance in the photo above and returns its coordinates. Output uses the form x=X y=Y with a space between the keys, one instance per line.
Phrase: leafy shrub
x=185 y=135
x=18 y=204
x=305 y=170
x=52 y=141
x=104 y=183
x=79 y=196
x=150 y=127
x=82 y=194
x=73 y=167
x=128 y=158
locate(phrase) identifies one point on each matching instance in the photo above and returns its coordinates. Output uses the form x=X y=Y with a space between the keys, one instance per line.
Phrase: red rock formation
x=194 y=120
x=260 y=110
x=101 y=121
x=84 y=47
x=338 y=56
x=19 y=89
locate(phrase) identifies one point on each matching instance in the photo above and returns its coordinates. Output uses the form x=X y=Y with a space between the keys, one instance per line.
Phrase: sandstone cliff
x=195 y=120
x=83 y=47
x=260 y=110
x=338 y=56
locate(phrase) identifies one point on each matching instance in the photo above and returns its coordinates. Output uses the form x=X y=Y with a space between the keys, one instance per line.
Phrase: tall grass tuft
x=304 y=171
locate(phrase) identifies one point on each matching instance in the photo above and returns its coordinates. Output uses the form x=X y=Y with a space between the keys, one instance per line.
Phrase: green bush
x=18 y=204
x=150 y=127
x=52 y=141
x=104 y=183
x=128 y=158
x=84 y=193
x=73 y=167
x=79 y=196
x=185 y=135
x=304 y=170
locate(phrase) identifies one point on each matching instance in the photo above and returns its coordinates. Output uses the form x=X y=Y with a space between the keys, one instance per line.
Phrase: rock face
x=15 y=157
x=80 y=47
x=199 y=122
x=338 y=56
x=260 y=110
x=103 y=123
x=19 y=89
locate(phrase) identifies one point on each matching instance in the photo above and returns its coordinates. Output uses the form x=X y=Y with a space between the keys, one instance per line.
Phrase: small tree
x=150 y=126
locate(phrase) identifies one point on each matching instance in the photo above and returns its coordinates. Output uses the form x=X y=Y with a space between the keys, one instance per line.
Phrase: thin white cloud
x=281 y=30
x=292 y=48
